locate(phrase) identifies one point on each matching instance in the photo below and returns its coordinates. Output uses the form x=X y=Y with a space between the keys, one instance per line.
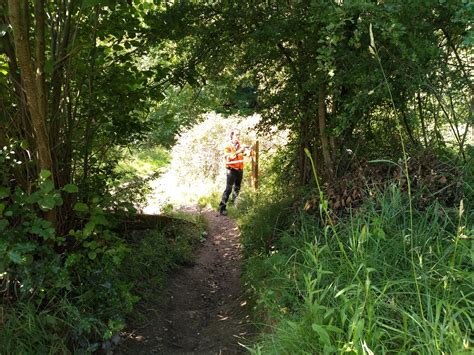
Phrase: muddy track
x=203 y=311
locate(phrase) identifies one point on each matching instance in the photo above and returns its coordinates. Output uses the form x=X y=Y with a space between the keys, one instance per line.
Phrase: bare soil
x=202 y=311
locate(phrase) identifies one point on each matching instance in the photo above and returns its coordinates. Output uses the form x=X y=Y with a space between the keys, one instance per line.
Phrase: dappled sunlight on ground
x=167 y=190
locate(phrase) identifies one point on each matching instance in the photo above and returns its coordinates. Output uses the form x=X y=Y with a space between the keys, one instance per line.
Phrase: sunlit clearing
x=197 y=167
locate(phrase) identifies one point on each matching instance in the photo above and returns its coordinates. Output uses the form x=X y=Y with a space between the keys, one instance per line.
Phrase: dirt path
x=203 y=310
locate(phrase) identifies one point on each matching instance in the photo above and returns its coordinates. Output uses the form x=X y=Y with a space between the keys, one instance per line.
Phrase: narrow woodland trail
x=203 y=310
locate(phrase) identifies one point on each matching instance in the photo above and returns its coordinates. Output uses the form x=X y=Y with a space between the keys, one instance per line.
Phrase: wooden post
x=254 y=160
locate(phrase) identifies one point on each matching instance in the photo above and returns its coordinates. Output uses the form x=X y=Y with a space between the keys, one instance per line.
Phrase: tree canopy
x=313 y=68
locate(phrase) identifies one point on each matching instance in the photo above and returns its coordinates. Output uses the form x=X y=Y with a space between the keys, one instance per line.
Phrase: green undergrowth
x=143 y=161
x=87 y=316
x=211 y=200
x=370 y=285
x=80 y=304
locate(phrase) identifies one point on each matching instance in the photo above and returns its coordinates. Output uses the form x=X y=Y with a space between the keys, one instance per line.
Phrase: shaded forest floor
x=202 y=311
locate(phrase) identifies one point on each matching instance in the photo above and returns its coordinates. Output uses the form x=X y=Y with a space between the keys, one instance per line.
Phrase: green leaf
x=58 y=199
x=47 y=203
x=44 y=174
x=333 y=328
x=33 y=198
x=25 y=247
x=93 y=245
x=88 y=229
x=45 y=231
x=4 y=192
x=323 y=334
x=73 y=259
x=81 y=207
x=47 y=186
x=14 y=256
x=100 y=219
x=2 y=207
x=70 y=188
x=37 y=230
x=92 y=255
x=26 y=260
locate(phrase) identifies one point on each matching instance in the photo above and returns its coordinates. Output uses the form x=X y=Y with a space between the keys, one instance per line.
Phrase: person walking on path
x=234 y=160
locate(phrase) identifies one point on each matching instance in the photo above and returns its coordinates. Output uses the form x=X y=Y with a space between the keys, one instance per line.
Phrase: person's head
x=235 y=135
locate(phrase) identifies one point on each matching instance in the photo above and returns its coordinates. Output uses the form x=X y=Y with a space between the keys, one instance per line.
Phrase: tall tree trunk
x=40 y=56
x=33 y=85
x=88 y=134
x=332 y=139
x=22 y=125
x=34 y=94
x=466 y=75
x=303 y=143
x=407 y=127
x=422 y=118
x=254 y=160
x=325 y=145
x=61 y=40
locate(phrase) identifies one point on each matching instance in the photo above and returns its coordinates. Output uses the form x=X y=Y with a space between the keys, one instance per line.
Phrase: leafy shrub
x=59 y=291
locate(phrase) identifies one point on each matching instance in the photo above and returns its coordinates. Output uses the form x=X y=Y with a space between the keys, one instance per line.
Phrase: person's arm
x=228 y=153
x=243 y=149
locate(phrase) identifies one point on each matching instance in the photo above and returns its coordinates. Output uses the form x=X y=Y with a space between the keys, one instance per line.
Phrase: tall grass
x=54 y=328
x=364 y=299
x=28 y=330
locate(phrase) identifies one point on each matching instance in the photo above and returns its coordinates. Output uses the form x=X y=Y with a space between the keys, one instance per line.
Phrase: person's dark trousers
x=234 y=179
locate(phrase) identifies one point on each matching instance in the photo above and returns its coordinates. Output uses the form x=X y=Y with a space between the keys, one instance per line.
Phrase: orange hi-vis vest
x=232 y=159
